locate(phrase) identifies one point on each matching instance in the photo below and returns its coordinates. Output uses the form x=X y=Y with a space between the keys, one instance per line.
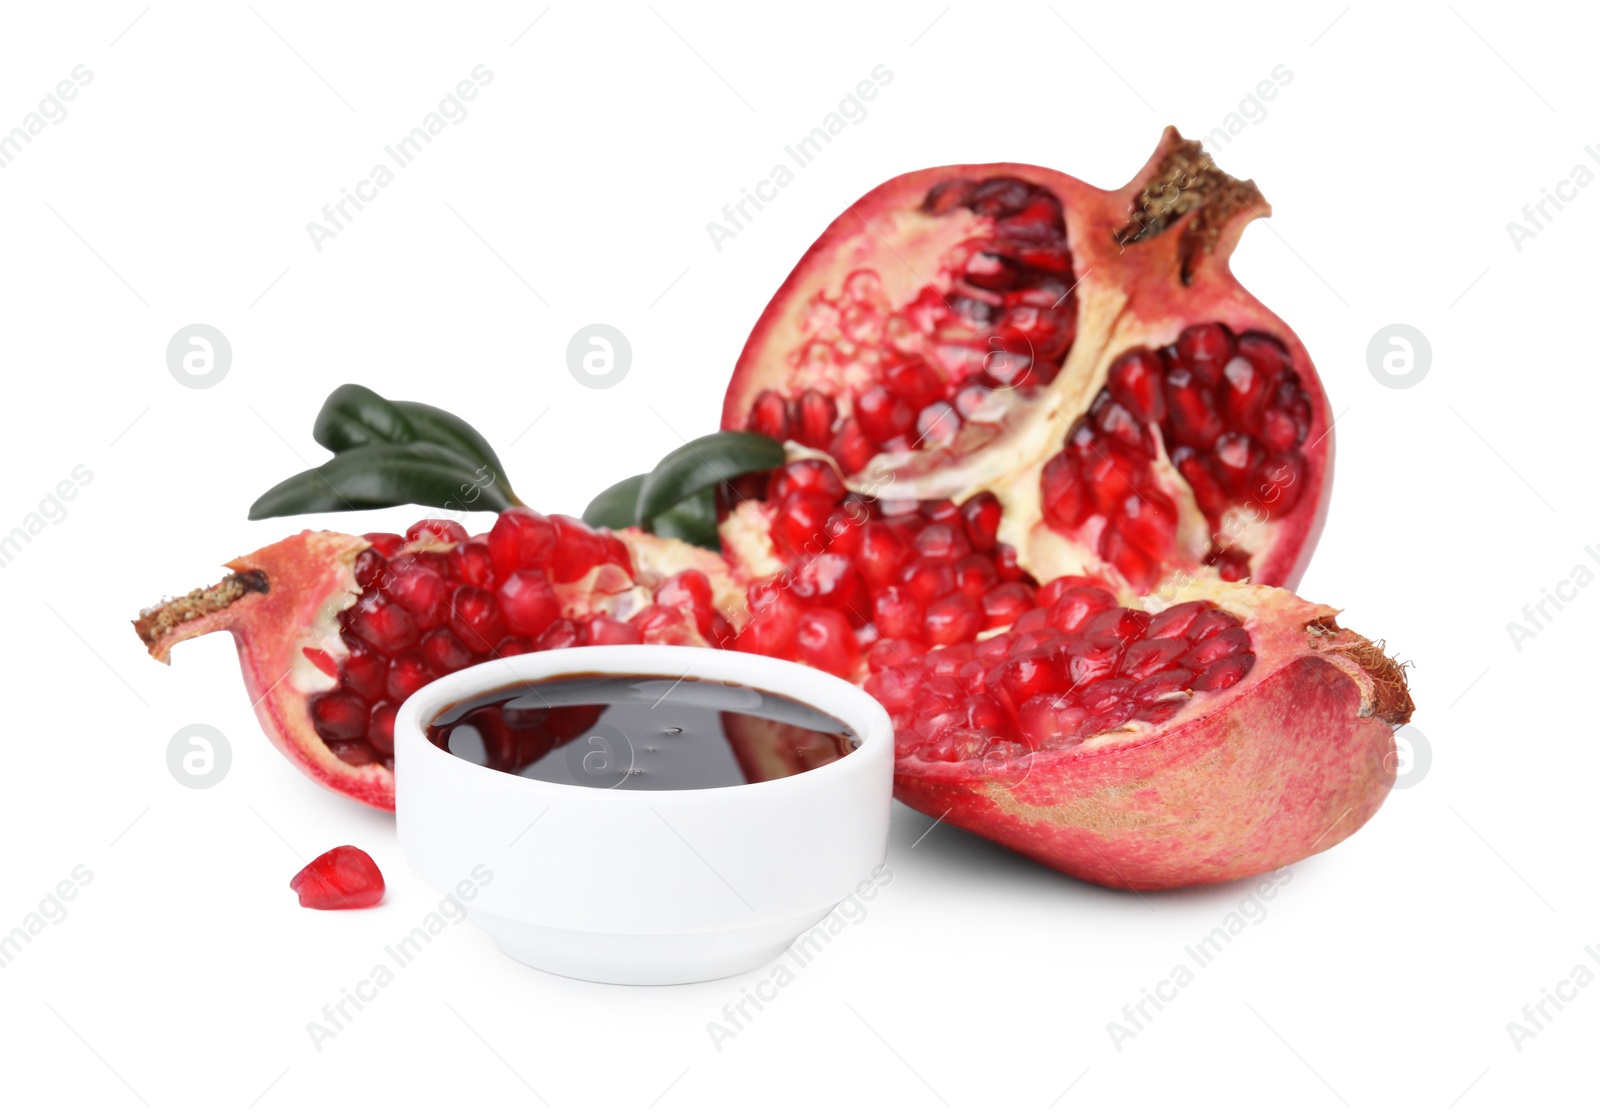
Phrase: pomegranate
x=342 y=878
x=334 y=631
x=1084 y=355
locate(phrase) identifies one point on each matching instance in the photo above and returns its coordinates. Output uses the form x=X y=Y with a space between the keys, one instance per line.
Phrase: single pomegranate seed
x=1063 y=494
x=1209 y=623
x=601 y=631
x=897 y=614
x=420 y=591
x=339 y=715
x=1137 y=567
x=471 y=564
x=1279 y=480
x=387 y=545
x=883 y=416
x=955 y=619
x=578 y=550
x=976 y=575
x=364 y=671
x=559 y=635
x=1162 y=684
x=1073 y=607
x=528 y=603
x=1244 y=392
x=369 y=568
x=1235 y=458
x=825 y=639
x=1224 y=644
x=511 y=646
x=1117 y=423
x=774 y=619
x=436 y=530
x=1209 y=493
x=1205 y=349
x=881 y=554
x=343 y=878
x=1174 y=622
x=937 y=426
x=1191 y=409
x=1135 y=381
x=1090 y=658
x=1111 y=475
x=520 y=539
x=409 y=671
x=770 y=416
x=1150 y=656
x=971 y=399
x=1006 y=564
x=380 y=728
x=1028 y=675
x=810 y=475
x=942 y=542
x=912 y=380
x=830 y=581
x=1123 y=624
x=475 y=618
x=981 y=517
x=444 y=652
x=813 y=419
x=801 y=523
x=381 y=623
x=1150 y=522
x=1226 y=673
x=1050 y=717
x=851 y=448
x=1004 y=604
x=322 y=660
x=928 y=579
x=690 y=591
x=1231 y=564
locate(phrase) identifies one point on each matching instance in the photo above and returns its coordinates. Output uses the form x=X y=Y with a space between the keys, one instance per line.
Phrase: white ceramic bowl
x=644 y=886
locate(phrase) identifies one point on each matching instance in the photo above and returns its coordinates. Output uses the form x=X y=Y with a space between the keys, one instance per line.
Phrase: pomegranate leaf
x=387 y=475
x=702 y=464
x=615 y=507
x=694 y=520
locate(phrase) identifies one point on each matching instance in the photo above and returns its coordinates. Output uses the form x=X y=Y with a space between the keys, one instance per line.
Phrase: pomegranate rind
x=1289 y=762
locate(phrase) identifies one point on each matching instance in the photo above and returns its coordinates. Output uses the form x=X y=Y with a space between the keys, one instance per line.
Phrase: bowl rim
x=859 y=710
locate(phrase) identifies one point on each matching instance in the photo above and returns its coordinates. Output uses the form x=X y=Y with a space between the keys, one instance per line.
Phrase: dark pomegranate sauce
x=640 y=733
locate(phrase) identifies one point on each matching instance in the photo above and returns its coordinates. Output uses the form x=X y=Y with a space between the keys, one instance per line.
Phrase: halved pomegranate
x=1083 y=354
x=335 y=631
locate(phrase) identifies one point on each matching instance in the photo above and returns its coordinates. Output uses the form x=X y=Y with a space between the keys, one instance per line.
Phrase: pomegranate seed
x=774 y=619
x=1191 y=410
x=813 y=419
x=976 y=575
x=937 y=426
x=689 y=590
x=408 y=672
x=472 y=564
x=897 y=614
x=912 y=380
x=830 y=581
x=381 y=623
x=528 y=603
x=364 y=671
x=475 y=618
x=1208 y=623
x=343 y=878
x=1150 y=656
x=603 y=631
x=1063 y=493
x=971 y=399
x=578 y=549
x=1266 y=356
x=1031 y=674
x=955 y=619
x=1235 y=457
x=770 y=416
x=884 y=416
x=1138 y=568
x=1226 y=673
x=387 y=545
x=339 y=715
x=802 y=522
x=1244 y=393
x=1150 y=522
x=1224 y=644
x=928 y=579
x=1091 y=658
x=1073 y=607
x=1279 y=431
x=942 y=542
x=1005 y=564
x=813 y=476
x=1232 y=565
x=1123 y=624
x=1111 y=475
x=851 y=448
x=1135 y=381
x=559 y=635
x=1162 y=684
x=1049 y=716
x=436 y=530
x=520 y=539
x=420 y=591
x=1205 y=349
x=1174 y=622
x=444 y=652
x=981 y=516
x=1208 y=491
x=824 y=639
x=511 y=646
x=1104 y=695
x=322 y=660
x=1004 y=604
x=1279 y=480
x=369 y=568
x=380 y=728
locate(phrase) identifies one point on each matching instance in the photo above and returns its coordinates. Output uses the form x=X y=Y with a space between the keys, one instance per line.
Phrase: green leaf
x=369 y=476
x=354 y=415
x=443 y=428
x=702 y=464
x=615 y=506
x=694 y=520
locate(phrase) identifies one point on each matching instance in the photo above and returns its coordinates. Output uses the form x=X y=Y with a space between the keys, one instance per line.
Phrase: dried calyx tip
x=157 y=622
x=1187 y=181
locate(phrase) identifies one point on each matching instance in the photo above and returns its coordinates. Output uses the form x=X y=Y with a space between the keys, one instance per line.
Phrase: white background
x=177 y=190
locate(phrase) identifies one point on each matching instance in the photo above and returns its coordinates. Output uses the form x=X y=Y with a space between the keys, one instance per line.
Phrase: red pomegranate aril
x=1279 y=431
x=420 y=591
x=343 y=878
x=1174 y=679
x=1209 y=494
x=1174 y=622
x=881 y=555
x=1104 y=694
x=1072 y=608
x=1208 y=623
x=1126 y=625
x=883 y=415
x=1266 y=356
x=1231 y=564
x=1006 y=564
x=603 y=631
x=1224 y=674
x=1138 y=568
x=851 y=448
x=971 y=399
x=444 y=652
x=1063 y=495
x=826 y=640
x=339 y=716
x=385 y=543
x=1004 y=604
x=802 y=522
x=1050 y=717
x=1135 y=381
x=810 y=475
x=475 y=618
x=1278 y=481
x=513 y=645
x=897 y=614
x=1205 y=349
x=1243 y=393
x=928 y=579
x=912 y=380
x=364 y=671
x=1111 y=475
x=1235 y=457
x=380 y=728
x=955 y=619
x=937 y=426
x=321 y=659
x=1148 y=657
x=409 y=671
x=559 y=635
x=520 y=539
x=830 y=581
x=811 y=424
x=471 y=564
x=976 y=575
x=1224 y=644
x=981 y=517
x=369 y=568
x=528 y=602
x=578 y=549
x=381 y=623
x=1150 y=522
x=942 y=542
x=435 y=531
x=689 y=590
x=1191 y=409
x=1091 y=658
x=1023 y=677
x=770 y=415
